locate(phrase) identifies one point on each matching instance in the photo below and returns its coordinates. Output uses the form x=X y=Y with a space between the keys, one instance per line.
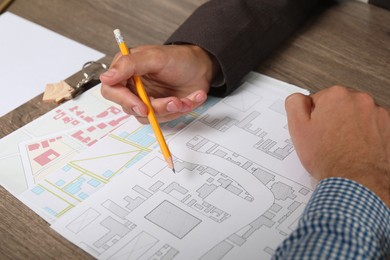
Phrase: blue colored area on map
x=75 y=187
x=144 y=137
x=186 y=119
x=136 y=159
x=37 y=190
x=108 y=174
x=83 y=195
x=94 y=182
x=50 y=211
x=60 y=183
x=66 y=168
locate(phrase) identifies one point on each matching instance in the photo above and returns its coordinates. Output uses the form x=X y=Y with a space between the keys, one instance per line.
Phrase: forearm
x=343 y=219
x=242 y=33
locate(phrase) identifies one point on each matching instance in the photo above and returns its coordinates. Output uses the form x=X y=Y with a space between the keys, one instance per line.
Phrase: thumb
x=298 y=108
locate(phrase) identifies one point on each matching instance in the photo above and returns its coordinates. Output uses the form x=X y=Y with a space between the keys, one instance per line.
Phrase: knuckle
x=126 y=65
x=158 y=55
x=338 y=90
x=384 y=113
x=360 y=101
x=365 y=99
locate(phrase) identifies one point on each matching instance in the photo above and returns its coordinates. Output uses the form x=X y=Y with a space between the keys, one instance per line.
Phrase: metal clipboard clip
x=62 y=91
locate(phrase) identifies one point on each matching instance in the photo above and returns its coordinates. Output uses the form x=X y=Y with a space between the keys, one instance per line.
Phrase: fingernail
x=109 y=73
x=171 y=107
x=199 y=98
x=136 y=110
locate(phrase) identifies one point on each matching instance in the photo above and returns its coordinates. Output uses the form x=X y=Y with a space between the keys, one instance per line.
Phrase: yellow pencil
x=144 y=97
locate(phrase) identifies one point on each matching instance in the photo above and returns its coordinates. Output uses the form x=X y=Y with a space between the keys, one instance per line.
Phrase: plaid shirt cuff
x=343 y=220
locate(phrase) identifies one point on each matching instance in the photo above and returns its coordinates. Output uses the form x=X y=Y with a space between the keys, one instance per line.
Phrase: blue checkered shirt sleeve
x=343 y=220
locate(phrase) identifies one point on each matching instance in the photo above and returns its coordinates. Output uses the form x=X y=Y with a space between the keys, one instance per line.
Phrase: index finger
x=123 y=96
x=143 y=61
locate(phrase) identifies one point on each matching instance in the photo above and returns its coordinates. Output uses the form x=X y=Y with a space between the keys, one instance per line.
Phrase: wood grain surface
x=347 y=44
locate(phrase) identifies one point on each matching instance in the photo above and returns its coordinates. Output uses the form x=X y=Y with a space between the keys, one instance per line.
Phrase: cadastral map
x=238 y=191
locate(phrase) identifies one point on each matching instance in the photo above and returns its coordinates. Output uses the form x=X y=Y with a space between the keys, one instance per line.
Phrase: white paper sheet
x=32 y=56
x=238 y=191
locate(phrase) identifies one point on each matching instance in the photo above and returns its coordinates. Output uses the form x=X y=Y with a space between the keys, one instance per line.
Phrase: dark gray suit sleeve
x=382 y=3
x=241 y=33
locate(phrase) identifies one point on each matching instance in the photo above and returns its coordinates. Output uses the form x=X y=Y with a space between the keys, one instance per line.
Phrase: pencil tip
x=170 y=164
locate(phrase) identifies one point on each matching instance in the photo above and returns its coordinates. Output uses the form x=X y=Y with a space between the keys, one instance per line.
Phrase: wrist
x=377 y=183
x=209 y=61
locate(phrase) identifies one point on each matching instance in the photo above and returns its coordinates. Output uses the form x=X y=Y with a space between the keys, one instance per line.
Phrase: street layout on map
x=238 y=191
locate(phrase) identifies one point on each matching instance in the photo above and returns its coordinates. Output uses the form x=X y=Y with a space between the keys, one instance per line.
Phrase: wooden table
x=346 y=44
